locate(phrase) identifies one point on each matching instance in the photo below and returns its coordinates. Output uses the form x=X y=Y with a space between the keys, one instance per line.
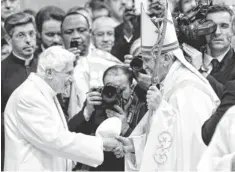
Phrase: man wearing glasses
x=21 y=62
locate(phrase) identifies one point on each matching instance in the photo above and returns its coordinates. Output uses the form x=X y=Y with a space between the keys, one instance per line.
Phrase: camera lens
x=137 y=64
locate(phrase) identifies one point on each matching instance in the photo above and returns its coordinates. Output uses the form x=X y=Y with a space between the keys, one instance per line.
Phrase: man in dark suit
x=125 y=34
x=89 y=118
x=18 y=65
x=227 y=100
x=219 y=57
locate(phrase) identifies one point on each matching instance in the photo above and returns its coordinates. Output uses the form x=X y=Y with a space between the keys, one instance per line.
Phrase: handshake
x=118 y=145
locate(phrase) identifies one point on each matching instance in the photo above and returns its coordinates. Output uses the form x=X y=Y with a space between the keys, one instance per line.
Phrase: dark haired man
x=89 y=118
x=48 y=22
x=219 y=56
x=21 y=62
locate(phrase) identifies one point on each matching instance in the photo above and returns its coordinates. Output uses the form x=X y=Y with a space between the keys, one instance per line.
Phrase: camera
x=111 y=95
x=74 y=44
x=137 y=64
x=193 y=27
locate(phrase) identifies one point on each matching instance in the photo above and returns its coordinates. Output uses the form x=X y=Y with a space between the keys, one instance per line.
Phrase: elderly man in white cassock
x=220 y=154
x=170 y=138
x=36 y=133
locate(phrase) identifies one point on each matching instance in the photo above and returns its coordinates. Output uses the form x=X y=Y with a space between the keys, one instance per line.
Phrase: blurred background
x=37 y=4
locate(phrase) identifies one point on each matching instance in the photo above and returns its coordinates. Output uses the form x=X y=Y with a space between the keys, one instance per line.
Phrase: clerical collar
x=27 y=61
x=208 y=58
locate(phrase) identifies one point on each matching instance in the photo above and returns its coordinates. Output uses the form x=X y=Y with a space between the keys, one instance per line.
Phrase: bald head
x=76 y=26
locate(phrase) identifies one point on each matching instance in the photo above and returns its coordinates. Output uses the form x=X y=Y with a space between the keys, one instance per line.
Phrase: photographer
x=92 y=114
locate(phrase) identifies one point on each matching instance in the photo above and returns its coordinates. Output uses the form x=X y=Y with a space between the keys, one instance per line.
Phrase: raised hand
x=76 y=52
x=127 y=60
x=154 y=97
x=93 y=99
x=119 y=114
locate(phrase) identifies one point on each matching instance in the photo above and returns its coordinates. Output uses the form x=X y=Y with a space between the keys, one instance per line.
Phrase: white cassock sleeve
x=43 y=130
x=174 y=141
x=82 y=81
x=220 y=154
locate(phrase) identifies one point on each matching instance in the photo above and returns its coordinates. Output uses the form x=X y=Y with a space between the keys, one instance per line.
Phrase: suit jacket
x=227 y=68
x=79 y=124
x=37 y=134
x=121 y=46
x=227 y=100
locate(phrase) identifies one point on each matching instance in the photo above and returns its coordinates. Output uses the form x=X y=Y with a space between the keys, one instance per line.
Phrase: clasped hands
x=118 y=145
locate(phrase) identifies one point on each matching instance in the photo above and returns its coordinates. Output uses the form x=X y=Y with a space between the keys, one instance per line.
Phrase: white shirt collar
x=27 y=61
x=208 y=58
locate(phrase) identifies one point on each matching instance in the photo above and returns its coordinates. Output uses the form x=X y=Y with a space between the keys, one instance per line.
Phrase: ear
x=49 y=73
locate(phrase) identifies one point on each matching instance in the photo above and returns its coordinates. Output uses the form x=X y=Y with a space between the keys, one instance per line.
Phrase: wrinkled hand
x=119 y=114
x=93 y=99
x=194 y=54
x=76 y=52
x=127 y=60
x=126 y=146
x=154 y=97
x=110 y=144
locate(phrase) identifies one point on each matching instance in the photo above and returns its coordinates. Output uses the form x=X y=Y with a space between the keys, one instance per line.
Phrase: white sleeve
x=44 y=131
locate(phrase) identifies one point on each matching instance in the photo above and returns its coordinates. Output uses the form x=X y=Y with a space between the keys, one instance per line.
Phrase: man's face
x=120 y=81
x=149 y=62
x=187 y=5
x=51 y=33
x=104 y=38
x=118 y=7
x=9 y=7
x=221 y=39
x=75 y=27
x=23 y=40
x=62 y=80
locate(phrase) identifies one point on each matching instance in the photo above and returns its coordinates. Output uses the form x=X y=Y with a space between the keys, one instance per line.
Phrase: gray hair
x=56 y=58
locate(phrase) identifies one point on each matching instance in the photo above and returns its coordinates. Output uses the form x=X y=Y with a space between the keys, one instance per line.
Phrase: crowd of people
x=69 y=78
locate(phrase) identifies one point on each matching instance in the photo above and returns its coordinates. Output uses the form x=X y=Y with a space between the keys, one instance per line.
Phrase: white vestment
x=220 y=154
x=37 y=136
x=88 y=73
x=174 y=141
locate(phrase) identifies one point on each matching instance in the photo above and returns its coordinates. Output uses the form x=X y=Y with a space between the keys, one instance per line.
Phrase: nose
x=106 y=38
x=57 y=39
x=218 y=30
x=28 y=38
x=76 y=34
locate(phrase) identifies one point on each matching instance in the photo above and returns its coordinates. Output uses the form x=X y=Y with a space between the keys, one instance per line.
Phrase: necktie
x=215 y=64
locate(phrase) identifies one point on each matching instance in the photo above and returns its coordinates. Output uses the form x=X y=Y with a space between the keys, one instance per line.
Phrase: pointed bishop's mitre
x=151 y=33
